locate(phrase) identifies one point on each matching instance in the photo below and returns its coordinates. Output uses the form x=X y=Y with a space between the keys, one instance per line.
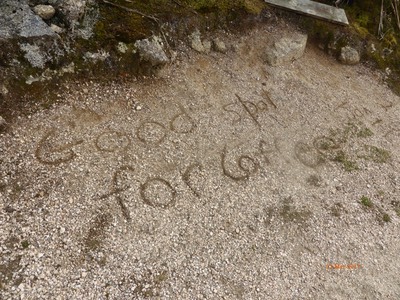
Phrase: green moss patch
x=366 y=201
x=347 y=164
x=376 y=154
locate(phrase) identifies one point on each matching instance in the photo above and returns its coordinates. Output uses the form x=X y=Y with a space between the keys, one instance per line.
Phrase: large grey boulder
x=286 y=49
x=18 y=20
x=349 y=56
x=150 y=50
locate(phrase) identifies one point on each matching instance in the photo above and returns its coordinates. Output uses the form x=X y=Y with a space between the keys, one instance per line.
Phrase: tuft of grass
x=350 y=130
x=253 y=6
x=364 y=132
x=386 y=218
x=25 y=244
x=396 y=205
x=362 y=31
x=348 y=165
x=366 y=201
x=290 y=214
x=377 y=155
x=162 y=276
x=314 y=180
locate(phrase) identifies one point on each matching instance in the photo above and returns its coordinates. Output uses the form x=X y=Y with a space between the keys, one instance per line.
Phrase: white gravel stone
x=2 y=121
x=56 y=29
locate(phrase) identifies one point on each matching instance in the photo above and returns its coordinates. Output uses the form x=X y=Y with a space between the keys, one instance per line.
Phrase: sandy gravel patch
x=224 y=178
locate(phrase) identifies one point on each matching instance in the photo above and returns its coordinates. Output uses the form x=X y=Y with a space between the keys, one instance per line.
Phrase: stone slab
x=314 y=9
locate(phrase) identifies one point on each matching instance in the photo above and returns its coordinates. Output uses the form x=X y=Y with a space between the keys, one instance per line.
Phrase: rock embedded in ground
x=286 y=49
x=197 y=44
x=3 y=90
x=71 y=10
x=46 y=12
x=150 y=50
x=349 y=56
x=122 y=47
x=56 y=29
x=2 y=122
x=219 y=46
x=34 y=55
x=207 y=46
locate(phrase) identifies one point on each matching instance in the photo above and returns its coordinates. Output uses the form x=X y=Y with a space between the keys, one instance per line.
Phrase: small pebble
x=2 y=121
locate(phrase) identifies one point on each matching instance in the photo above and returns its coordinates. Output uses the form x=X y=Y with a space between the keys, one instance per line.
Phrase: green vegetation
x=290 y=214
x=396 y=205
x=332 y=147
x=348 y=165
x=377 y=155
x=162 y=276
x=366 y=201
x=251 y=6
x=128 y=21
x=314 y=180
x=25 y=244
x=386 y=218
x=364 y=132
x=380 y=193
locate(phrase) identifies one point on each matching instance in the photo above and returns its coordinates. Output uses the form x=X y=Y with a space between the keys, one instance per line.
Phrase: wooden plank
x=314 y=9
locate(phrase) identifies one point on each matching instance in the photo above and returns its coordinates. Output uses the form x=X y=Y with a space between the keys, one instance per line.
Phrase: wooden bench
x=314 y=9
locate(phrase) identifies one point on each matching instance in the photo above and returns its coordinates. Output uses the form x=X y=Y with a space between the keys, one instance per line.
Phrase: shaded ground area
x=223 y=178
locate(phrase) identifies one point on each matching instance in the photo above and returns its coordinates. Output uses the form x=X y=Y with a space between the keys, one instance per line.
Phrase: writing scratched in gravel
x=221 y=178
x=248 y=147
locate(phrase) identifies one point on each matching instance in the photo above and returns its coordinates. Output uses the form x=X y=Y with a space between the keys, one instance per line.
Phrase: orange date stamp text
x=343 y=266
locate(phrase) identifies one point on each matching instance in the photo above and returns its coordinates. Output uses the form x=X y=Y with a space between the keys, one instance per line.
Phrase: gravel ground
x=222 y=178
